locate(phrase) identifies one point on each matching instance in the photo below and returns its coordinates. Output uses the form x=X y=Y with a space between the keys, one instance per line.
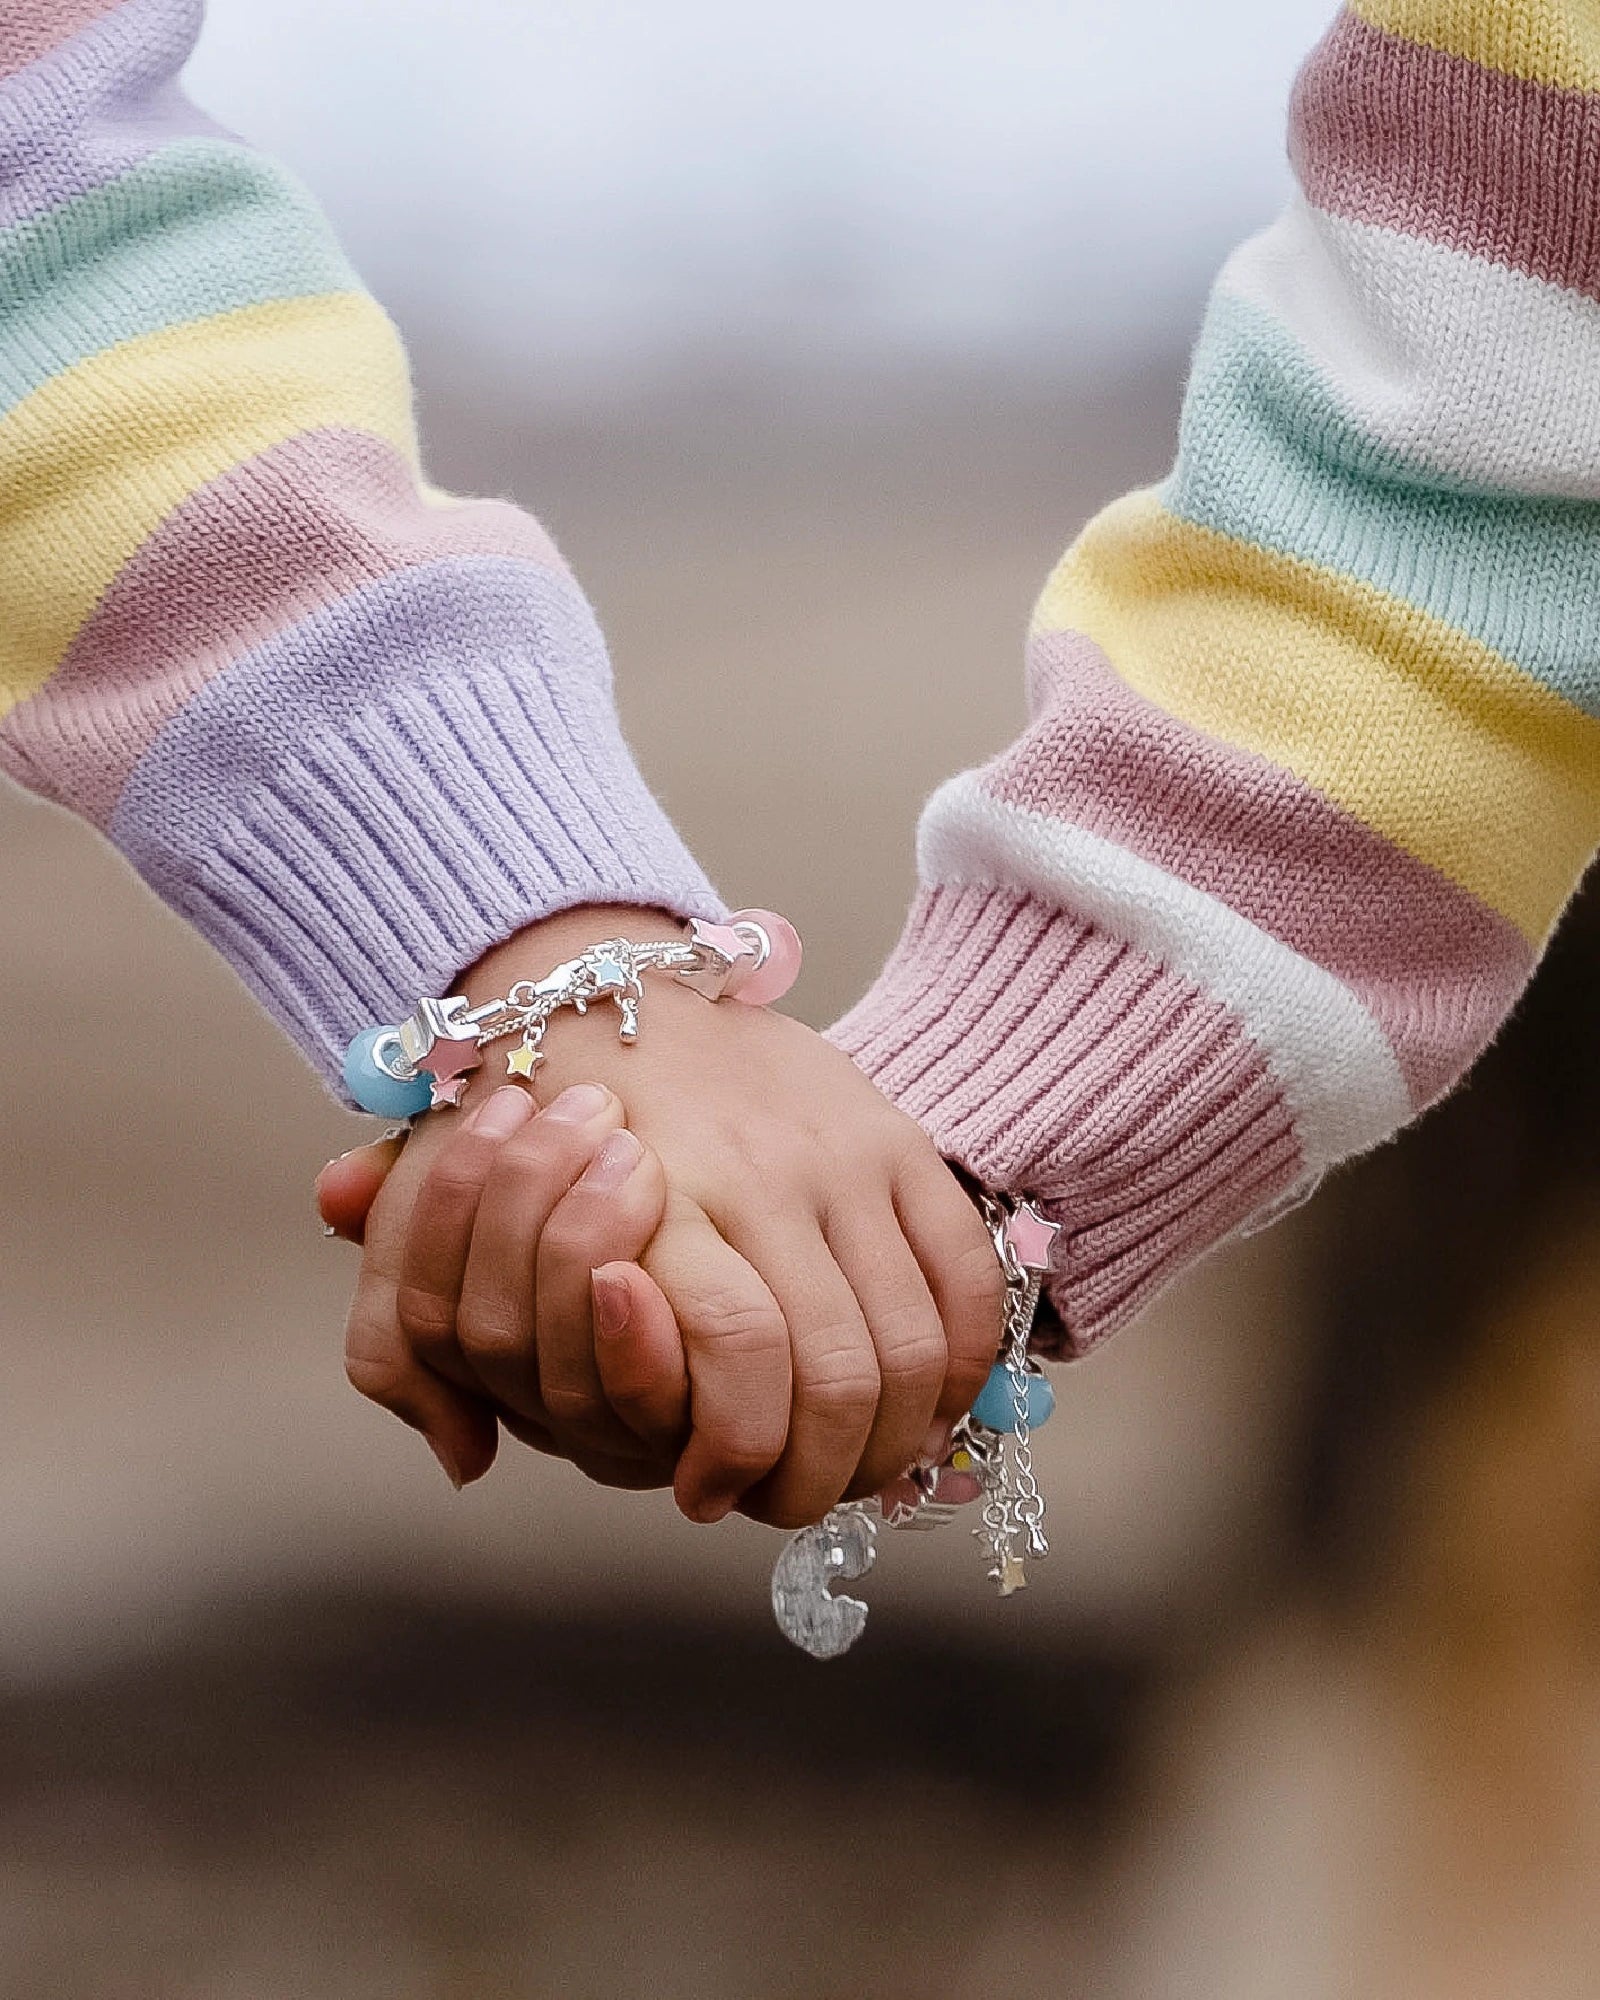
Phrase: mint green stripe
x=200 y=228
x=1271 y=456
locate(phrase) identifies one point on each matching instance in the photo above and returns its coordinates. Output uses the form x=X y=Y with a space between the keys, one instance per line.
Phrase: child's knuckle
x=455 y=1178
x=373 y=1374
x=485 y=1329
x=573 y=1407
x=911 y=1347
x=742 y=1453
x=974 y=1283
x=838 y=1382
x=965 y=1376
x=427 y=1319
x=735 y=1322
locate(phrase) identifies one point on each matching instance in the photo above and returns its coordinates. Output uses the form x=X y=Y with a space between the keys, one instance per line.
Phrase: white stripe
x=1337 y=1070
x=1466 y=367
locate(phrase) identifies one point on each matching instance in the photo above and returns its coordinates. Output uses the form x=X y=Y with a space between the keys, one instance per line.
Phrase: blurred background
x=814 y=335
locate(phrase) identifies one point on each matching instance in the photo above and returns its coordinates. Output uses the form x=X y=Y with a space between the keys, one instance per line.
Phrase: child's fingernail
x=613 y=1304
x=498 y=1116
x=936 y=1444
x=452 y=1472
x=614 y=1162
x=579 y=1104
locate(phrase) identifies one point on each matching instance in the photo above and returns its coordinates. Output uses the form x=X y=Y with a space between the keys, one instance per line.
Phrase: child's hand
x=484 y=1224
x=836 y=1291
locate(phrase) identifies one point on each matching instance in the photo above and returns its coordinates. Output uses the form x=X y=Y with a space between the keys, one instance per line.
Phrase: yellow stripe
x=1544 y=41
x=95 y=460
x=1437 y=743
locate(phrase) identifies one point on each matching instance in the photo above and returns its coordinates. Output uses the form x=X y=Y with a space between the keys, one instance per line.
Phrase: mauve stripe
x=1411 y=138
x=271 y=543
x=30 y=29
x=95 y=106
x=1436 y=969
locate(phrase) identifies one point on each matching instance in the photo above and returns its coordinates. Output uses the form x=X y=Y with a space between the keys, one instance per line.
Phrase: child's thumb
x=348 y=1186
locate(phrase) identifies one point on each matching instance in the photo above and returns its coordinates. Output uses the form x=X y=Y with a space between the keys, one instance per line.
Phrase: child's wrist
x=438 y=1052
x=530 y=954
x=535 y=949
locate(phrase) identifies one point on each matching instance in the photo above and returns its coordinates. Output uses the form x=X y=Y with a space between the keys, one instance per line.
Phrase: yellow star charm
x=1013 y=1576
x=523 y=1062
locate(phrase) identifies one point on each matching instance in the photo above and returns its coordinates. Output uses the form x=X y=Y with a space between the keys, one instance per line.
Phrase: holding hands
x=718 y=1258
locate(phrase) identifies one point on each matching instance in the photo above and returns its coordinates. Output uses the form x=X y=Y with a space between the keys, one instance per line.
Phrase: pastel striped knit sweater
x=1315 y=762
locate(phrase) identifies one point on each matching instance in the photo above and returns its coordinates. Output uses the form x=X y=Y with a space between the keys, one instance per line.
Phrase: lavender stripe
x=97 y=105
x=396 y=768
x=412 y=632
x=250 y=555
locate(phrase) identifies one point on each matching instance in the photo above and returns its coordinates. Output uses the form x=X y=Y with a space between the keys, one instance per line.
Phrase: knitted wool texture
x=355 y=731
x=1315 y=757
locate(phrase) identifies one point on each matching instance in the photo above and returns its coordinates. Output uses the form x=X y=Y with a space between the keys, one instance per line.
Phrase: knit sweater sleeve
x=1314 y=763
x=353 y=730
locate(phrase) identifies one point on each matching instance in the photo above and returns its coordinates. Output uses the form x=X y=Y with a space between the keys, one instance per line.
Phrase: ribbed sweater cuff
x=1050 y=1060
x=393 y=845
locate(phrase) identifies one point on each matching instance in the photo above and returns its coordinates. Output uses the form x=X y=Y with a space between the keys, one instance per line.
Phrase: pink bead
x=782 y=967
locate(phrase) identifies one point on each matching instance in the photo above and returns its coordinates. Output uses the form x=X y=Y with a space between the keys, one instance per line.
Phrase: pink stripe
x=30 y=29
x=1435 y=967
x=269 y=544
x=1412 y=139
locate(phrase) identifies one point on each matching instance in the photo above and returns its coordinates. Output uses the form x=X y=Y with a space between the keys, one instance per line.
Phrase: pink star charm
x=451 y=1056
x=447 y=1091
x=714 y=981
x=1031 y=1238
x=723 y=938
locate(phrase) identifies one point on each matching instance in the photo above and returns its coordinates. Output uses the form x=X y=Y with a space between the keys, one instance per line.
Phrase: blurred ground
x=279 y=1715
x=349 y=1797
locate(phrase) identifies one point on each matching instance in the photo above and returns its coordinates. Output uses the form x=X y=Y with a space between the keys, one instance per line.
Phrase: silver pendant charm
x=990 y=1460
x=839 y=1549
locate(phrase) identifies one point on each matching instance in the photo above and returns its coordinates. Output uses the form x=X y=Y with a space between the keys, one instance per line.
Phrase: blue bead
x=374 y=1089
x=996 y=1408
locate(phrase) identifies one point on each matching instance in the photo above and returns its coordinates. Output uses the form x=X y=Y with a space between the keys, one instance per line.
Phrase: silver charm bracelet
x=989 y=1461
x=424 y=1063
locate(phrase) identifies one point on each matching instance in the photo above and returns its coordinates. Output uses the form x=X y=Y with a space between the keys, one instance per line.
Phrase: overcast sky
x=611 y=181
